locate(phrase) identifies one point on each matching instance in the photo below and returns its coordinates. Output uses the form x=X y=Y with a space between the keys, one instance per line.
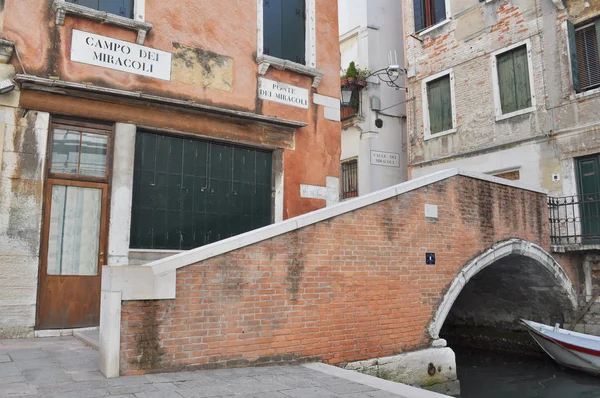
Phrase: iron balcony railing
x=575 y=220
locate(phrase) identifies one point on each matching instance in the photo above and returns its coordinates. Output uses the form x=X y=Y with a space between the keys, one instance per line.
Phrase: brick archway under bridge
x=345 y=283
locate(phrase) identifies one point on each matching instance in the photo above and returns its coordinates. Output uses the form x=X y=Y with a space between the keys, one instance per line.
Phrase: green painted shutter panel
x=587 y=40
x=272 y=28
x=419 y=11
x=293 y=18
x=573 y=56
x=513 y=80
x=588 y=171
x=439 y=99
x=188 y=193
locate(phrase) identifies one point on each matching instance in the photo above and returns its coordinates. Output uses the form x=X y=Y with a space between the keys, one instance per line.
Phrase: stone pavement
x=65 y=367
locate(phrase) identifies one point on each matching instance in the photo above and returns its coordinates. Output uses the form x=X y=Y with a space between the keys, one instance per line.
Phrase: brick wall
x=353 y=287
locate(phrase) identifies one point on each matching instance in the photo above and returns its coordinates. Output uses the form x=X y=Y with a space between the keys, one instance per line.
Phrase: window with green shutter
x=188 y=193
x=439 y=101
x=284 y=27
x=513 y=80
x=118 y=7
x=584 y=46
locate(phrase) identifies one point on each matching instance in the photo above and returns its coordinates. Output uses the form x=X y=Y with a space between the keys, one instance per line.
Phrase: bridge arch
x=496 y=254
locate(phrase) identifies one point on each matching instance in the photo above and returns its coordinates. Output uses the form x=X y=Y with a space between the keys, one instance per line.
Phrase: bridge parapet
x=346 y=283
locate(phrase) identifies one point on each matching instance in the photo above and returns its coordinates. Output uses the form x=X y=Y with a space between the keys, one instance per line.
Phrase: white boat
x=571 y=349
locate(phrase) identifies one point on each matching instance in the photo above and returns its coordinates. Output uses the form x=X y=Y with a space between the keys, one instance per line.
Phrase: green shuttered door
x=588 y=172
x=188 y=193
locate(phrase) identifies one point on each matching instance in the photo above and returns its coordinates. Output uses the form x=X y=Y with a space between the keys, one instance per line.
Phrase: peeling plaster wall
x=21 y=188
x=562 y=126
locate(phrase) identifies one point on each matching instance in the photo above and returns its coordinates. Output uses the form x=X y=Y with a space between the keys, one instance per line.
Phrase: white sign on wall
x=92 y=49
x=313 y=192
x=385 y=159
x=271 y=90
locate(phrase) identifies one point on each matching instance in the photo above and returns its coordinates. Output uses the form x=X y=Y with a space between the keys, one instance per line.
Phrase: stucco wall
x=213 y=64
x=563 y=123
x=21 y=187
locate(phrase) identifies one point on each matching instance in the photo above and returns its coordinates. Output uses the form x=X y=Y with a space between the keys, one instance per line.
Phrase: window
x=188 y=193
x=429 y=13
x=123 y=8
x=513 y=81
x=350 y=179
x=284 y=29
x=439 y=114
x=584 y=46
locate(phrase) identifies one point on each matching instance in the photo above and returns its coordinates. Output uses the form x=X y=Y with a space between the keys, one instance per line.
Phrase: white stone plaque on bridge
x=283 y=93
x=92 y=49
x=389 y=159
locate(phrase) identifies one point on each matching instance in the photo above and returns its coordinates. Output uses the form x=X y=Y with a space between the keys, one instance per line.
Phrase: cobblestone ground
x=64 y=367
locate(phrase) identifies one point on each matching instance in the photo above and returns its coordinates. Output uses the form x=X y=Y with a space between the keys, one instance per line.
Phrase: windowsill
x=433 y=27
x=588 y=93
x=266 y=61
x=429 y=136
x=515 y=113
x=62 y=8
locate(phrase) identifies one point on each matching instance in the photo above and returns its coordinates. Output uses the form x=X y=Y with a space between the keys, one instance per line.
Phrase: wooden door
x=588 y=170
x=75 y=227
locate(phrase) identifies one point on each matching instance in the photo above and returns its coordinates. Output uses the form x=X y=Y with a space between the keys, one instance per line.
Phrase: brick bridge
x=342 y=284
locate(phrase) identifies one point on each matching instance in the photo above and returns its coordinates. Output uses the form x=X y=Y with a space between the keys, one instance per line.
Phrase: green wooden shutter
x=513 y=80
x=439 y=99
x=419 y=11
x=588 y=173
x=573 y=56
x=272 y=28
x=293 y=18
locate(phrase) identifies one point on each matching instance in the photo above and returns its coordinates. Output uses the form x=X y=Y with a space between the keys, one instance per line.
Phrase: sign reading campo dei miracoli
x=92 y=49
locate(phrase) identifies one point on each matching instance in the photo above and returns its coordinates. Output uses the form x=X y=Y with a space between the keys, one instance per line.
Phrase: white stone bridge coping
x=157 y=280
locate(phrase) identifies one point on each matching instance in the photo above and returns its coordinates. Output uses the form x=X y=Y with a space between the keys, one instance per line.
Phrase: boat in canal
x=571 y=349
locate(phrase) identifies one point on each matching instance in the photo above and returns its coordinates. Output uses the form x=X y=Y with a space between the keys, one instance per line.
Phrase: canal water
x=487 y=374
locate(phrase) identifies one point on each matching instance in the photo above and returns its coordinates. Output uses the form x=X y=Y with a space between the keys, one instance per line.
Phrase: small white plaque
x=92 y=49
x=385 y=159
x=313 y=192
x=271 y=90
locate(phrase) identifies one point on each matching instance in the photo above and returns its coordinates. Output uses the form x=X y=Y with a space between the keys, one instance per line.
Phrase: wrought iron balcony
x=575 y=220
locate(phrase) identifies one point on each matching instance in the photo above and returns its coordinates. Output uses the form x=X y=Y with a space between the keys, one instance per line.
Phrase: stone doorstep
x=88 y=336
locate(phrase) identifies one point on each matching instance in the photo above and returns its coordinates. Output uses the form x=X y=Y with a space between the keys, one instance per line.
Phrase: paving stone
x=309 y=392
x=12 y=379
x=9 y=369
x=158 y=394
x=86 y=376
x=287 y=380
x=205 y=391
x=36 y=363
x=99 y=392
x=46 y=376
x=270 y=394
x=348 y=387
x=17 y=390
x=67 y=387
x=131 y=389
x=170 y=377
x=28 y=353
x=5 y=358
x=128 y=381
x=250 y=385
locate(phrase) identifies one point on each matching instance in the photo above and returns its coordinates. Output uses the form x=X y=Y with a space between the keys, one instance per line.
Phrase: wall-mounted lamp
x=6 y=86
x=346 y=95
